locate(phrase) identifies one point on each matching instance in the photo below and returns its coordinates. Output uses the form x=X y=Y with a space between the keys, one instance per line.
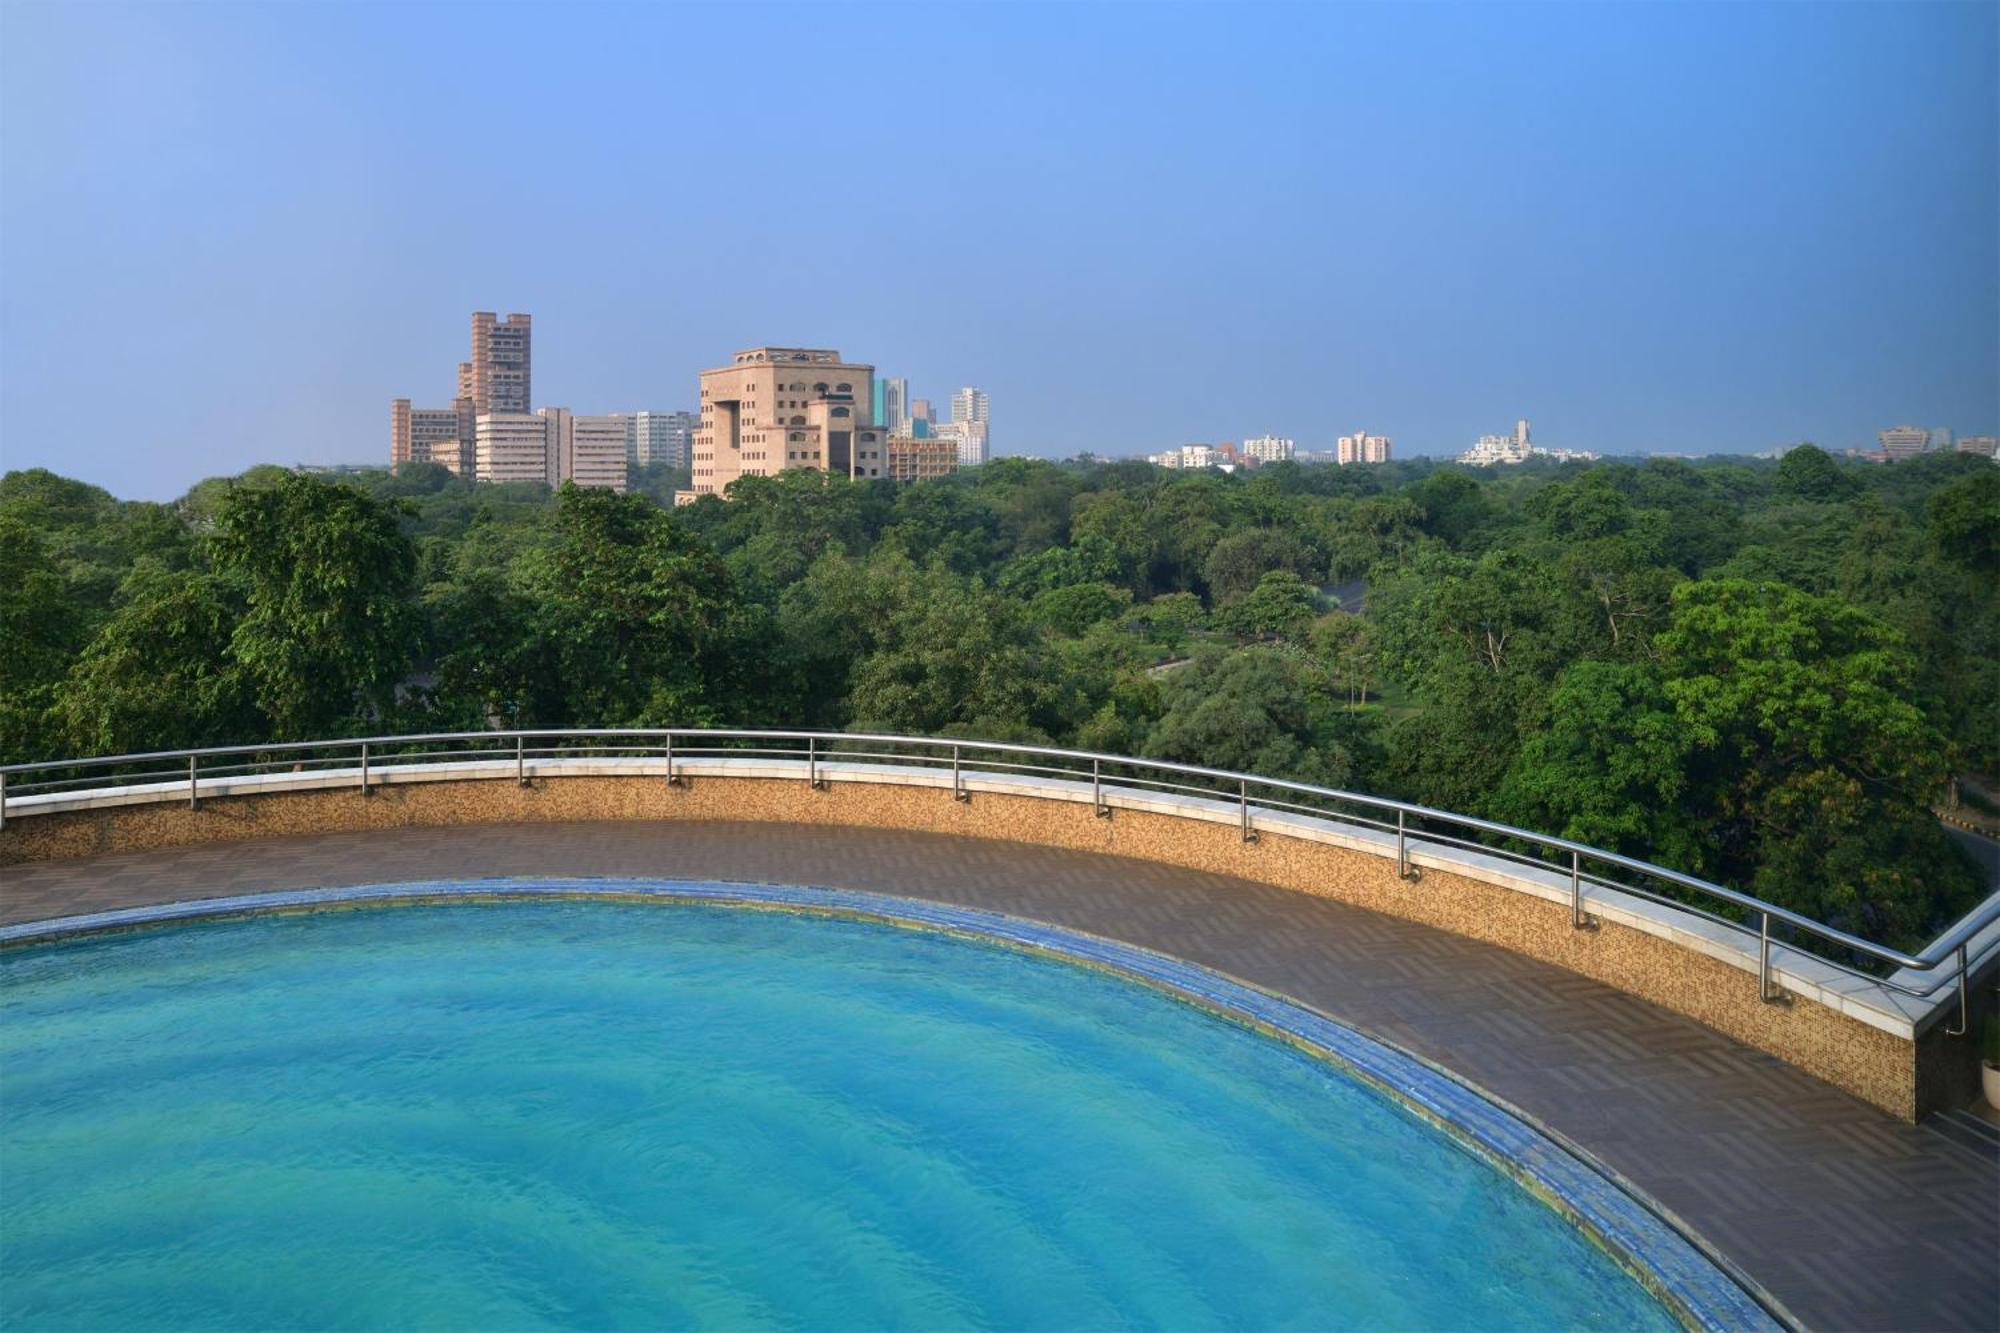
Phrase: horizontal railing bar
x=1932 y=955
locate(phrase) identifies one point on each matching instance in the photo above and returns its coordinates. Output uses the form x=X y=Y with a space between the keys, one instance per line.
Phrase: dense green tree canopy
x=1760 y=672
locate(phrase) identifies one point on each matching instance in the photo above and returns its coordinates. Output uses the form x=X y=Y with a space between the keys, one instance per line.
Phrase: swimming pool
x=605 y=1114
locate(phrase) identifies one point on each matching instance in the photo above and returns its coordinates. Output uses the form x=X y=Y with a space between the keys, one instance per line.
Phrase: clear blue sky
x=231 y=234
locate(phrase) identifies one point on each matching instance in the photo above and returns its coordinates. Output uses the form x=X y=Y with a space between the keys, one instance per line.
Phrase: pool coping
x=1696 y=1283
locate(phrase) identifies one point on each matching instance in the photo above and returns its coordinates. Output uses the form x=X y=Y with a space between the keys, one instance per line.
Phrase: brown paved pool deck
x=1850 y=1218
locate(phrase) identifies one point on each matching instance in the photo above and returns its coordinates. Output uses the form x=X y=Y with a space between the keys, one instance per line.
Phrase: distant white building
x=1499 y=449
x=1267 y=449
x=658 y=437
x=1361 y=447
x=1187 y=456
x=968 y=436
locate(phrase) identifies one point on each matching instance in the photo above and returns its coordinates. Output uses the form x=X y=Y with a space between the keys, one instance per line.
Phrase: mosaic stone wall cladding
x=1875 y=1065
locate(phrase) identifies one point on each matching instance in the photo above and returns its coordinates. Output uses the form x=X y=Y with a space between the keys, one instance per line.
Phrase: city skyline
x=1681 y=229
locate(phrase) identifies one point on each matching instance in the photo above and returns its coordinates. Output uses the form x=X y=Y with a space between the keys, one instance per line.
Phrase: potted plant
x=1989 y=1065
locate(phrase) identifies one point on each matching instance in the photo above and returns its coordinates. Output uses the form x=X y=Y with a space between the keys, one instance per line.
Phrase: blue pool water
x=614 y=1115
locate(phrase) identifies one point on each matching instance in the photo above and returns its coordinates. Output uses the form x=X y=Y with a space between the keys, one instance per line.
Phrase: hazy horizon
x=232 y=235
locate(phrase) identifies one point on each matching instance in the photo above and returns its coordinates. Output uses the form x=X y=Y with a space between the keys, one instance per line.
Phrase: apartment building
x=969 y=404
x=919 y=459
x=774 y=408
x=431 y=435
x=1267 y=449
x=500 y=375
x=658 y=437
x=1361 y=447
x=968 y=437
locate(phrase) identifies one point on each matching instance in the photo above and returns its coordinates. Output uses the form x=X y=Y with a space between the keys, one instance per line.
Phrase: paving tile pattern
x=1851 y=1219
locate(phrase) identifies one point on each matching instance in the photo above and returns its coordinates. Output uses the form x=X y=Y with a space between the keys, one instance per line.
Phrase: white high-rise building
x=658 y=437
x=969 y=437
x=1267 y=449
x=969 y=404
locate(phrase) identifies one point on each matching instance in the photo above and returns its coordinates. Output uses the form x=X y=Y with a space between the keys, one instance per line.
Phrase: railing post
x=1097 y=790
x=520 y=759
x=194 y=790
x=672 y=781
x=1765 y=991
x=1243 y=805
x=958 y=791
x=812 y=764
x=3 y=800
x=1577 y=919
x=365 y=791
x=1404 y=870
x=1964 y=1005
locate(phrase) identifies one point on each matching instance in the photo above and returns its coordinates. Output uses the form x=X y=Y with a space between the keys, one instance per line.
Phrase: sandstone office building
x=774 y=408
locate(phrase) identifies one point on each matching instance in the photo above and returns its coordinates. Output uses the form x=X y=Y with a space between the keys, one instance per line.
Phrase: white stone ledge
x=1799 y=974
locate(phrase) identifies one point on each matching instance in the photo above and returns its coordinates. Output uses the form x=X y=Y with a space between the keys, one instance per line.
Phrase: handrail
x=1952 y=944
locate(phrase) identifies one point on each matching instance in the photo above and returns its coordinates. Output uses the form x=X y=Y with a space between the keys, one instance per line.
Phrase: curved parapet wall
x=1888 y=1048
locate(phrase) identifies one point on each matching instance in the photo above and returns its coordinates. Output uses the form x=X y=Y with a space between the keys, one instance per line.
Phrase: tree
x=1239 y=560
x=1072 y=610
x=1344 y=645
x=633 y=620
x=1775 y=748
x=328 y=632
x=1607 y=766
x=1250 y=711
x=159 y=675
x=41 y=628
x=1807 y=473
x=1171 y=617
x=1963 y=522
x=1280 y=604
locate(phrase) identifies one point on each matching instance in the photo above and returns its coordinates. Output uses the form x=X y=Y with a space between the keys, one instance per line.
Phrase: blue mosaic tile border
x=1691 y=1280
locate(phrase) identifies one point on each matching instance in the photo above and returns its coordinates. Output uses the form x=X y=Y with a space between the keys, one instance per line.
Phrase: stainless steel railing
x=166 y=774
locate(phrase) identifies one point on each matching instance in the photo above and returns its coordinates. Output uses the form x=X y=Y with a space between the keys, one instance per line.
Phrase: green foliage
x=160 y=674
x=1253 y=711
x=1759 y=672
x=1807 y=473
x=1963 y=521
x=328 y=631
x=627 y=618
x=1281 y=604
